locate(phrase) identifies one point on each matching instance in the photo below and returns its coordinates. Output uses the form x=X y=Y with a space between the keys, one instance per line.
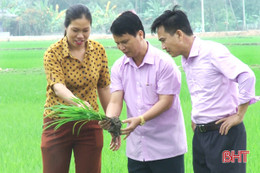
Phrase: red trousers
x=58 y=145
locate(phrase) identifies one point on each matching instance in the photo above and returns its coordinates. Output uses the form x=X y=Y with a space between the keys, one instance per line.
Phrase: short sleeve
x=104 y=79
x=116 y=79
x=53 y=69
x=169 y=80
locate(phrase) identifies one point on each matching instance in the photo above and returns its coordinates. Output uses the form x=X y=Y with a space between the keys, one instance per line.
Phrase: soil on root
x=115 y=126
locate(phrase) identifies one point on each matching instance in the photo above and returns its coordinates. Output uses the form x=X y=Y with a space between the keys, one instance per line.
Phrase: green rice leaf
x=74 y=126
x=72 y=113
x=82 y=114
x=81 y=126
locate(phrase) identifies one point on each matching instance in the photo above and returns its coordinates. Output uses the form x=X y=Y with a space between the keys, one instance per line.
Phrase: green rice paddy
x=22 y=96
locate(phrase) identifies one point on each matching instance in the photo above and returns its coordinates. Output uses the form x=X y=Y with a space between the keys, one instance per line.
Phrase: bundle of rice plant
x=82 y=114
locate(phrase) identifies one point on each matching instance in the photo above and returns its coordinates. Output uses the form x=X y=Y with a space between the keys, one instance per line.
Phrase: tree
x=103 y=17
x=46 y=16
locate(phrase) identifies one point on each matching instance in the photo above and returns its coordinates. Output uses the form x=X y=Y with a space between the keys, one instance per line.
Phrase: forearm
x=242 y=110
x=164 y=103
x=113 y=109
x=115 y=104
x=104 y=97
x=63 y=92
x=161 y=106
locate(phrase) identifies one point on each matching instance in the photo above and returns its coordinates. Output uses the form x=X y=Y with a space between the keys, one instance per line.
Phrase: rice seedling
x=80 y=114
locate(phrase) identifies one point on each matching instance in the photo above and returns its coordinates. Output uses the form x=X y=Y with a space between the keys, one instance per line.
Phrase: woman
x=75 y=67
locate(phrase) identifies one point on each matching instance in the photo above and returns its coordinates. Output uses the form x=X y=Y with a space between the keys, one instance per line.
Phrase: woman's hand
x=104 y=124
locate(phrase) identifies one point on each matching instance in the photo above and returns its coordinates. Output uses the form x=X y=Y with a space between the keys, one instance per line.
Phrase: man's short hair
x=172 y=20
x=127 y=23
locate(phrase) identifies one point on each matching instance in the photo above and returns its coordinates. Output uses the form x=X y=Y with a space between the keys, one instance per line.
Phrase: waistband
x=203 y=128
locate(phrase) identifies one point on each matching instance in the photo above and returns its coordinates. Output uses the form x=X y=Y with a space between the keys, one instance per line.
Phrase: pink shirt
x=164 y=136
x=218 y=81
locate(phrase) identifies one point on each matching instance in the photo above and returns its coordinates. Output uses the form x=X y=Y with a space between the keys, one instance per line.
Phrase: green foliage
x=33 y=18
x=57 y=19
x=103 y=16
x=154 y=7
x=36 y=17
x=29 y=24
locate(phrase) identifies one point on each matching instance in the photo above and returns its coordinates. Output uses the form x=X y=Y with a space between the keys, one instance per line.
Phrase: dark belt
x=203 y=128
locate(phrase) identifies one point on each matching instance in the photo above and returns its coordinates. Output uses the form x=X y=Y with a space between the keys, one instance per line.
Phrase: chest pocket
x=205 y=77
x=149 y=93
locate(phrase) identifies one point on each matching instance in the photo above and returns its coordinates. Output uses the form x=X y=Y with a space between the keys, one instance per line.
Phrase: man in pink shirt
x=148 y=80
x=221 y=88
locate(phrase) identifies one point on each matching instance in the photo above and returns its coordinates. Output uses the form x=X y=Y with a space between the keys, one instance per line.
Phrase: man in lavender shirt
x=148 y=80
x=221 y=88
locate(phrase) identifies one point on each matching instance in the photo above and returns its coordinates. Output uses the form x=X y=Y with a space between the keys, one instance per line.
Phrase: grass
x=23 y=95
x=237 y=40
x=21 y=59
x=25 y=44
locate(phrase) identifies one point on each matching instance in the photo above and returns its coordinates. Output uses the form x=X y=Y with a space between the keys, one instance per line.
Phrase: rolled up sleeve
x=246 y=84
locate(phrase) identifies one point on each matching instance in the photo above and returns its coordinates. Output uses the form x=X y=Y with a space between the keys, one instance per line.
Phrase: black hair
x=127 y=23
x=172 y=20
x=76 y=12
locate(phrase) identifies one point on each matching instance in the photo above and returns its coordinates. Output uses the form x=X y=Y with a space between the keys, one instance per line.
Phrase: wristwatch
x=142 y=120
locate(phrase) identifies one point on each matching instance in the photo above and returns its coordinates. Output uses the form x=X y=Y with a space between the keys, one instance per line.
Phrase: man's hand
x=228 y=123
x=132 y=124
x=233 y=120
x=193 y=126
x=115 y=143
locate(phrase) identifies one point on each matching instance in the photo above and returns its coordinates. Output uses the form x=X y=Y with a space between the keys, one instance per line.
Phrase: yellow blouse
x=81 y=78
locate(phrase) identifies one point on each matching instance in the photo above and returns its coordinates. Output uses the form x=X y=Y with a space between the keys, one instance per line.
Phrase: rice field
x=22 y=96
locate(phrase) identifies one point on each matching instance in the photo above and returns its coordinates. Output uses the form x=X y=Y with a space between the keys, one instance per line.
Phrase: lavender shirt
x=218 y=81
x=164 y=136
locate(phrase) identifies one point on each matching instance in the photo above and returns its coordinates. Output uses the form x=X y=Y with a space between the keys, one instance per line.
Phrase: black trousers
x=208 y=148
x=170 y=165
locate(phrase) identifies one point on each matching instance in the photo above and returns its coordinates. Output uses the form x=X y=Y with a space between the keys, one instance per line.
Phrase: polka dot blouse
x=81 y=78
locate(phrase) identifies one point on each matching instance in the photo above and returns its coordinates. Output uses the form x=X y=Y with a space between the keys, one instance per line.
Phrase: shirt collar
x=194 y=52
x=148 y=58
x=89 y=47
x=65 y=46
x=66 y=50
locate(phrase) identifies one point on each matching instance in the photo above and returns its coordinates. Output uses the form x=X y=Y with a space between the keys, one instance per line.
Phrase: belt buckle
x=202 y=128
